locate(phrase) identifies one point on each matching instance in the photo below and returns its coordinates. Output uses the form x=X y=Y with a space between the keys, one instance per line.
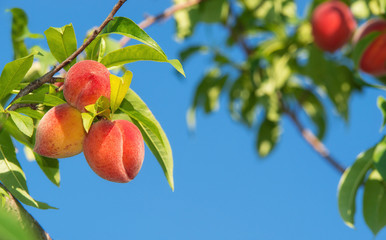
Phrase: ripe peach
x=85 y=82
x=60 y=132
x=114 y=150
x=332 y=25
x=373 y=59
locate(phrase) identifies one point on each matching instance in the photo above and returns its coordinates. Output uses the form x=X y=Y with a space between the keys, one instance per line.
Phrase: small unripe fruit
x=114 y=150
x=332 y=25
x=85 y=82
x=373 y=59
x=60 y=133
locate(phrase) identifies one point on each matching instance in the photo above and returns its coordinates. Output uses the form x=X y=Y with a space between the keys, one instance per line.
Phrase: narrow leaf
x=50 y=167
x=374 y=202
x=381 y=103
x=13 y=73
x=24 y=123
x=40 y=98
x=152 y=132
x=361 y=46
x=349 y=183
x=96 y=49
x=119 y=88
x=126 y=27
x=268 y=136
x=11 y=174
x=30 y=112
x=87 y=119
x=138 y=53
x=379 y=157
x=13 y=228
x=62 y=42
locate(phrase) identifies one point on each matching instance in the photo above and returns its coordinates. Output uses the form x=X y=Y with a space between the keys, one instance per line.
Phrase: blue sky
x=222 y=189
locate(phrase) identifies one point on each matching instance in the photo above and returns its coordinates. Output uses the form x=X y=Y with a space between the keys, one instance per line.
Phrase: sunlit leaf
x=40 y=98
x=87 y=119
x=119 y=88
x=267 y=137
x=96 y=49
x=379 y=157
x=349 y=183
x=50 y=167
x=24 y=123
x=13 y=74
x=138 y=52
x=374 y=202
x=13 y=228
x=152 y=132
x=381 y=103
x=11 y=174
x=62 y=42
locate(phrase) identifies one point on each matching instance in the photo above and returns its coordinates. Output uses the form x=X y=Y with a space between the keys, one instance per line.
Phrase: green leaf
x=24 y=123
x=96 y=49
x=12 y=228
x=30 y=112
x=126 y=27
x=41 y=98
x=62 y=42
x=87 y=119
x=361 y=46
x=152 y=132
x=374 y=202
x=349 y=183
x=379 y=157
x=268 y=135
x=119 y=88
x=188 y=52
x=338 y=81
x=313 y=108
x=381 y=103
x=138 y=52
x=207 y=11
x=19 y=32
x=11 y=174
x=50 y=167
x=13 y=73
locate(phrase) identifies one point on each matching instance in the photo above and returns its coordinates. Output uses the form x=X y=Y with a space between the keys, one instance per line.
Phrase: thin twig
x=48 y=76
x=315 y=143
x=149 y=20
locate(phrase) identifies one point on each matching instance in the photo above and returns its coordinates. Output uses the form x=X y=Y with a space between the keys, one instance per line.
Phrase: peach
x=60 y=132
x=373 y=59
x=114 y=150
x=332 y=25
x=85 y=82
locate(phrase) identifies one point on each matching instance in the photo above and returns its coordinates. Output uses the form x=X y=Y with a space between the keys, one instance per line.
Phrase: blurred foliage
x=284 y=74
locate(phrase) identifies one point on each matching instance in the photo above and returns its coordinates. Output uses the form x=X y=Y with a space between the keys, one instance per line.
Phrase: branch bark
x=149 y=20
x=313 y=141
x=48 y=76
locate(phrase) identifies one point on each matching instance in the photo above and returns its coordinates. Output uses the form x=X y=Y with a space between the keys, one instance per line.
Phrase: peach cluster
x=333 y=25
x=113 y=149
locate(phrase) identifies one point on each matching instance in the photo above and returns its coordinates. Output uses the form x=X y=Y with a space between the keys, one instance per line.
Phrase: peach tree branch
x=150 y=20
x=48 y=76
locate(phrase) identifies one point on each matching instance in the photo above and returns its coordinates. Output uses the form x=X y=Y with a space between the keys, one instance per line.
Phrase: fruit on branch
x=373 y=59
x=85 y=82
x=114 y=150
x=60 y=132
x=332 y=25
